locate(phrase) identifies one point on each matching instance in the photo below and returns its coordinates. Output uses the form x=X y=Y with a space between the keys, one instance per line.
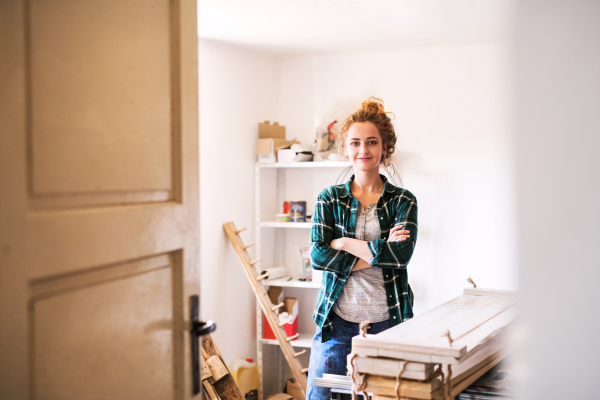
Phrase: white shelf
x=304 y=340
x=309 y=164
x=275 y=224
x=283 y=282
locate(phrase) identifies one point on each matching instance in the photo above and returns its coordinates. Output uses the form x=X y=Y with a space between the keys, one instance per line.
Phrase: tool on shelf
x=267 y=306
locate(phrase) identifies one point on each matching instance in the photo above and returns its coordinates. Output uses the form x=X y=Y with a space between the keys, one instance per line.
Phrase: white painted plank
x=462 y=327
x=419 y=336
x=472 y=321
x=390 y=367
x=488 y=330
x=427 y=318
x=490 y=292
x=431 y=332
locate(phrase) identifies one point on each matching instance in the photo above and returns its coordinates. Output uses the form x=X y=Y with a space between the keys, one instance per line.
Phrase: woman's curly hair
x=371 y=110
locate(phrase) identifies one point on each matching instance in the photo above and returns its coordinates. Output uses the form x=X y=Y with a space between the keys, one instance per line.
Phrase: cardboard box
x=271 y=139
x=275 y=294
x=291 y=328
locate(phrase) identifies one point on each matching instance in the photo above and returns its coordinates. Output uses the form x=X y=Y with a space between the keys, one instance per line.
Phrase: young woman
x=363 y=235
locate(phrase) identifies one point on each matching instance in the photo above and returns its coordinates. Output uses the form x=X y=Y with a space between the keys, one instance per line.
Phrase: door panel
x=98 y=67
x=99 y=183
x=99 y=326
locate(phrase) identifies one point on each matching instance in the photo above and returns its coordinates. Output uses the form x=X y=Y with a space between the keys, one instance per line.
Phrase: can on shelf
x=298 y=211
x=286 y=207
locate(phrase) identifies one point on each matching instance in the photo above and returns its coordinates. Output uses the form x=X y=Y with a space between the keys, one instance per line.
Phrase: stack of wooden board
x=478 y=323
x=217 y=382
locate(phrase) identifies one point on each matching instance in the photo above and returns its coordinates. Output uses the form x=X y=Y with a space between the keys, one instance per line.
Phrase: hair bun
x=373 y=105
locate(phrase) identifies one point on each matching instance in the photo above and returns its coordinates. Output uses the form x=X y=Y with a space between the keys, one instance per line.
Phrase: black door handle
x=202 y=328
x=198 y=329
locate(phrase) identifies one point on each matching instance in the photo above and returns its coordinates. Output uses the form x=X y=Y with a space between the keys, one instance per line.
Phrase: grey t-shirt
x=363 y=295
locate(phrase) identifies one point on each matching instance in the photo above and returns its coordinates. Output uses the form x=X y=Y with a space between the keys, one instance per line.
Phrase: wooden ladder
x=268 y=308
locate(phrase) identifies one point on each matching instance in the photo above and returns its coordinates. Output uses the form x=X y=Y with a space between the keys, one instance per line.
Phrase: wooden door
x=99 y=224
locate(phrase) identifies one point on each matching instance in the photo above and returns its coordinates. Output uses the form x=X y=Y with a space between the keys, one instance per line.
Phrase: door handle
x=202 y=328
x=198 y=328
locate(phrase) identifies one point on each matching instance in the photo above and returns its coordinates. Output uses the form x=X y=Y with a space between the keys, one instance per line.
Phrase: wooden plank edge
x=490 y=292
x=468 y=380
x=385 y=386
x=372 y=341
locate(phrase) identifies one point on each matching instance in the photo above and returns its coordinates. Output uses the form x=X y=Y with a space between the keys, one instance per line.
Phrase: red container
x=286 y=207
x=291 y=307
x=290 y=329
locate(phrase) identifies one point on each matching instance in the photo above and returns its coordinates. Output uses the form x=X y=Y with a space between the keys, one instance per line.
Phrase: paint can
x=298 y=211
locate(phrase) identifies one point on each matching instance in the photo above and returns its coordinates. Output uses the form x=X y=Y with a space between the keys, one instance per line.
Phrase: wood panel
x=100 y=102
x=391 y=367
x=89 y=329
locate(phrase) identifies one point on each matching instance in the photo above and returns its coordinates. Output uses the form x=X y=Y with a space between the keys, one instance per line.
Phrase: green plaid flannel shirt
x=335 y=217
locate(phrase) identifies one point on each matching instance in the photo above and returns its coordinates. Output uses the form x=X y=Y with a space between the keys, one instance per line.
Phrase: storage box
x=286 y=155
x=271 y=139
x=291 y=328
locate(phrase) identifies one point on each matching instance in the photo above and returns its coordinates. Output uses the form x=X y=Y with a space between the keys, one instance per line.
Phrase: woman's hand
x=398 y=235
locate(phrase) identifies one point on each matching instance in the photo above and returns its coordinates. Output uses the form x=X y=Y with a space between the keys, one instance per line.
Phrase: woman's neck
x=368 y=181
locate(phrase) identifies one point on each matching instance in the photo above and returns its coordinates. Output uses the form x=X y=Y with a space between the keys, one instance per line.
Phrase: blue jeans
x=330 y=357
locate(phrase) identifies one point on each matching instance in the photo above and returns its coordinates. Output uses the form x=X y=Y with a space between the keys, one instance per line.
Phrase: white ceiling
x=289 y=26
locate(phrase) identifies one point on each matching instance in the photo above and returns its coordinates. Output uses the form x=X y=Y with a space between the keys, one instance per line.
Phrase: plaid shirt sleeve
x=322 y=256
x=396 y=255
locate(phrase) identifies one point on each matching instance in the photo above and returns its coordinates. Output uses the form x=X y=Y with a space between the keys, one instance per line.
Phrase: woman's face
x=363 y=146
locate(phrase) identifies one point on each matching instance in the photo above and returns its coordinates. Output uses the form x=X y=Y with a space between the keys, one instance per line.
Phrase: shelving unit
x=268 y=352
x=284 y=282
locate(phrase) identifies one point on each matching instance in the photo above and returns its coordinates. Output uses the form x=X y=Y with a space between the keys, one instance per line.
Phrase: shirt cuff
x=375 y=247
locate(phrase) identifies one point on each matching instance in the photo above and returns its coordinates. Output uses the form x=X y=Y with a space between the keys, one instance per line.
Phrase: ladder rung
x=262 y=276
x=240 y=230
x=277 y=306
x=292 y=337
x=248 y=245
x=304 y=370
x=255 y=261
x=299 y=353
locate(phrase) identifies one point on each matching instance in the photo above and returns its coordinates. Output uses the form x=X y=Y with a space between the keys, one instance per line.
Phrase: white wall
x=454 y=150
x=238 y=88
x=558 y=142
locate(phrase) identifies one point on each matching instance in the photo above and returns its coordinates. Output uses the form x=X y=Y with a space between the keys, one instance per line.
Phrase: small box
x=291 y=328
x=275 y=294
x=286 y=155
x=271 y=139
